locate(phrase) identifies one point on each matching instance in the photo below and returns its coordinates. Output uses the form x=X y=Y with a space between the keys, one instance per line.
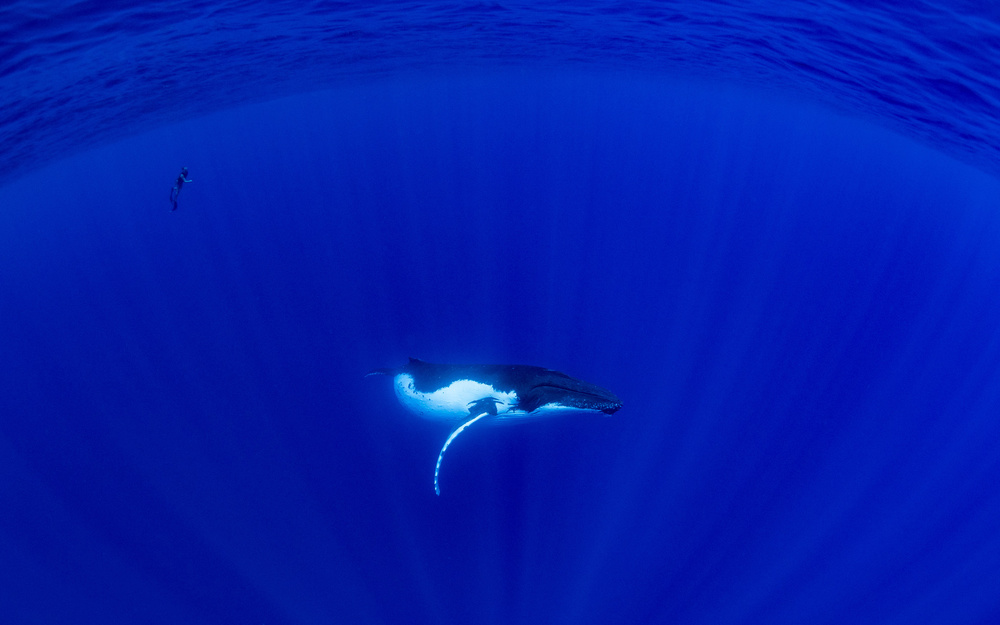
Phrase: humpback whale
x=469 y=393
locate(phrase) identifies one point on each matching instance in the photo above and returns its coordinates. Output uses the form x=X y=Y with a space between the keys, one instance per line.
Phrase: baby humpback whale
x=499 y=392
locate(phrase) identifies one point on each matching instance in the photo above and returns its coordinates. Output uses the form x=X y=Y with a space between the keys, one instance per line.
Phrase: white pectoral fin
x=485 y=407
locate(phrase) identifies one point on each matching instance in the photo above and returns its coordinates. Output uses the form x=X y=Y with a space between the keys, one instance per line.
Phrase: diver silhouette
x=181 y=179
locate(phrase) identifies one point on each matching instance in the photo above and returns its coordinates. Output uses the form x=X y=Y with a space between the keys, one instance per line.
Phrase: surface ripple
x=76 y=74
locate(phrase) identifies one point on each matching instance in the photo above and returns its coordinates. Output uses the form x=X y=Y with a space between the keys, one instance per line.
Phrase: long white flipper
x=437 y=469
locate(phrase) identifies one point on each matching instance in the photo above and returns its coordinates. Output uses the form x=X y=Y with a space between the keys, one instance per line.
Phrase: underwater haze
x=772 y=229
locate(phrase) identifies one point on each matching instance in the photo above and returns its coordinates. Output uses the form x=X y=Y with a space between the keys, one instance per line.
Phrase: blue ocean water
x=770 y=228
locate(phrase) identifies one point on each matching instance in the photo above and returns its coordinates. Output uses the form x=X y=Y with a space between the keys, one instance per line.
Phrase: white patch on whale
x=452 y=401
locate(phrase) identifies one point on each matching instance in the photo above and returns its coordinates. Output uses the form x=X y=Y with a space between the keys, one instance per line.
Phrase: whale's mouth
x=580 y=396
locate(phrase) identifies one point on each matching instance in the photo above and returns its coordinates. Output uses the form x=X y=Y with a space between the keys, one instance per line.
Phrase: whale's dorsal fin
x=480 y=408
x=394 y=370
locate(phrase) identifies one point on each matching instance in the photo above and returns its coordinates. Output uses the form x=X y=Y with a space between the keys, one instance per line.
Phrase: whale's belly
x=450 y=402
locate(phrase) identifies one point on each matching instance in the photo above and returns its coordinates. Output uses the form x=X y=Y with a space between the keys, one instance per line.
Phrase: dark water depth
x=798 y=311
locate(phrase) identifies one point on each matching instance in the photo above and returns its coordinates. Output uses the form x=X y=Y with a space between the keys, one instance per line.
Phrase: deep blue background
x=798 y=310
